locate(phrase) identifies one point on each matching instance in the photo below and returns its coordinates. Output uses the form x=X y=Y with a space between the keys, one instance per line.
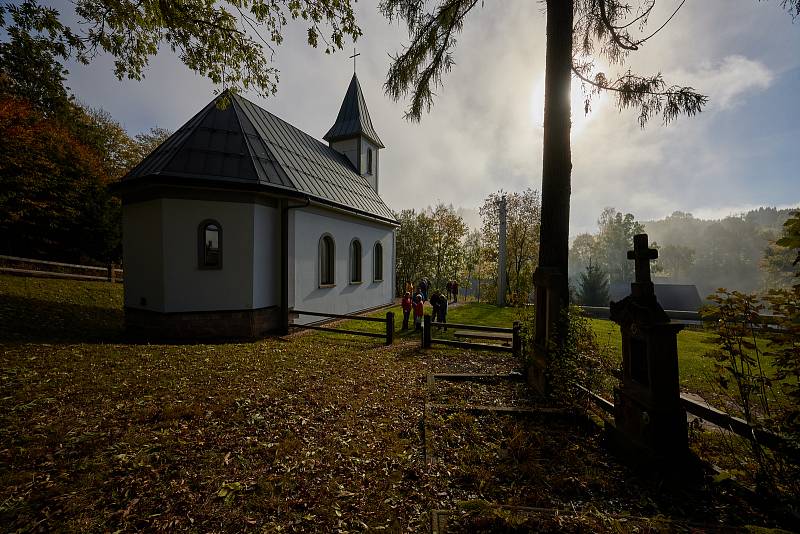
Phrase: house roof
x=353 y=118
x=246 y=145
x=682 y=297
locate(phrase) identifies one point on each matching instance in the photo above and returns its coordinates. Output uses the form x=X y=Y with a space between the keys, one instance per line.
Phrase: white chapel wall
x=373 y=178
x=348 y=147
x=308 y=225
x=186 y=286
x=142 y=255
x=266 y=256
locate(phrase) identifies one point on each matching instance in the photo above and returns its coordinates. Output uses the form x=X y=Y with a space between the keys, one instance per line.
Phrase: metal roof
x=353 y=118
x=245 y=144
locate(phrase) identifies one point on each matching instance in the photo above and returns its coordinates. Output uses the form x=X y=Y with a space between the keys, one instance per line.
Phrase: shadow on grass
x=25 y=319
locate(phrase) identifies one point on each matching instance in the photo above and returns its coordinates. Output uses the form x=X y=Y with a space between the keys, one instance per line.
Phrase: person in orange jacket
x=406 y=304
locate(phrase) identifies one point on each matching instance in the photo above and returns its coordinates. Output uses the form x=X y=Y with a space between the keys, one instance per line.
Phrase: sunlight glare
x=579 y=118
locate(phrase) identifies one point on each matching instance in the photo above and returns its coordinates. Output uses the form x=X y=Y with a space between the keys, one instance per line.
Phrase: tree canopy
x=232 y=42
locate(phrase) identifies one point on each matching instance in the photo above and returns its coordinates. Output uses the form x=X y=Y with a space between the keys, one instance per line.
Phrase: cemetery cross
x=642 y=255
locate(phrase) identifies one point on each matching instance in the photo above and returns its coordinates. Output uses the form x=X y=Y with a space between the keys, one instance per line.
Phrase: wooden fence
x=428 y=340
x=718 y=418
x=387 y=335
x=52 y=269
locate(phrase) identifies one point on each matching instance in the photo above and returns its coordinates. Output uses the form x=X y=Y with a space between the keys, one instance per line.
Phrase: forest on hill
x=738 y=252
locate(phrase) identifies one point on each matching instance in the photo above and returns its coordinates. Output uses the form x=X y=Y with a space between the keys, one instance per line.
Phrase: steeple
x=353 y=119
x=354 y=136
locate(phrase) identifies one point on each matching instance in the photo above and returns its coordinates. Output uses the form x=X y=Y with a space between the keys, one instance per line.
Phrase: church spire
x=353 y=119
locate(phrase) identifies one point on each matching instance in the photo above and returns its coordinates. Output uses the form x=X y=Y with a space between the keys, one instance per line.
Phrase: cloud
x=484 y=132
x=729 y=80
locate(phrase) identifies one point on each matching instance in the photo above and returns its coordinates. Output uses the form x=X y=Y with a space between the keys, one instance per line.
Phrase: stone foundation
x=235 y=324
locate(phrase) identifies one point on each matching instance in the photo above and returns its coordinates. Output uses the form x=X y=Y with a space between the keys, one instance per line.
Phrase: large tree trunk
x=552 y=295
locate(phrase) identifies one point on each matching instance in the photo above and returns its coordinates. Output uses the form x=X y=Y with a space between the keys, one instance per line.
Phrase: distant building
x=681 y=297
x=239 y=217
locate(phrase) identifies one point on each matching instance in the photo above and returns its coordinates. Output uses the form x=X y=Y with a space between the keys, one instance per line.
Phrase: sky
x=484 y=132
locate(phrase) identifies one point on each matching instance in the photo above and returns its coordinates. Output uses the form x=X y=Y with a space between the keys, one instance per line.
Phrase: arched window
x=355 y=261
x=369 y=161
x=327 y=249
x=209 y=245
x=377 y=263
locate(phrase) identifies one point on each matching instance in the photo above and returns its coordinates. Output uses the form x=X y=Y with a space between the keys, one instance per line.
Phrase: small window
x=377 y=263
x=326 y=260
x=355 y=262
x=369 y=161
x=209 y=241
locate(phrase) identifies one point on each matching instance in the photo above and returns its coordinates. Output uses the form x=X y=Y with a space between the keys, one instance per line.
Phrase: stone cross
x=642 y=254
x=353 y=57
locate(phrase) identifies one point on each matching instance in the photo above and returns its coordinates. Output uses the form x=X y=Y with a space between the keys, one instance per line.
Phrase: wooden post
x=389 y=328
x=426 y=331
x=111 y=272
x=516 y=343
x=501 y=262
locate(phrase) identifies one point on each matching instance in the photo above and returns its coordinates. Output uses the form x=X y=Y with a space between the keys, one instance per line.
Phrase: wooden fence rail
x=718 y=418
x=54 y=269
x=388 y=335
x=428 y=340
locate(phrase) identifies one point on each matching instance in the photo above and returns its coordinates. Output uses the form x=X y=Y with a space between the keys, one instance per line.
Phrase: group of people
x=416 y=303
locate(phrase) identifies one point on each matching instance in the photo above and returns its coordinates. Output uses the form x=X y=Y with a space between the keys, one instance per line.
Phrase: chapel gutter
x=284 y=207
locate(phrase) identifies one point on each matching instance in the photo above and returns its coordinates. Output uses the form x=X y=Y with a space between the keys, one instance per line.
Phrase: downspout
x=284 y=207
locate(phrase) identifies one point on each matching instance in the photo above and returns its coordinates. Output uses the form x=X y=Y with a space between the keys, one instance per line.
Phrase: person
x=455 y=291
x=436 y=299
x=409 y=288
x=424 y=287
x=442 y=311
x=449 y=289
x=419 y=310
x=406 y=304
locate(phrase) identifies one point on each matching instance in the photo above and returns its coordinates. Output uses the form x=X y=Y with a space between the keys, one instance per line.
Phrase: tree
x=54 y=201
x=29 y=70
x=232 y=42
x=445 y=245
x=676 y=260
x=148 y=141
x=791 y=236
x=473 y=259
x=522 y=237
x=614 y=241
x=598 y=27
x=783 y=256
x=594 y=286
x=583 y=249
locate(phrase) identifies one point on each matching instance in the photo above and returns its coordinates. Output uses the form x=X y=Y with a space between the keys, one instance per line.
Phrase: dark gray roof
x=246 y=145
x=353 y=118
x=681 y=297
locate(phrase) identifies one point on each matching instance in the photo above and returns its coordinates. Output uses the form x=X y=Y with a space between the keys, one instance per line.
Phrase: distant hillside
x=727 y=252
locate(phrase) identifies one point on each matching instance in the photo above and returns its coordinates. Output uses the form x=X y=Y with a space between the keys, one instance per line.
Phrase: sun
x=580 y=119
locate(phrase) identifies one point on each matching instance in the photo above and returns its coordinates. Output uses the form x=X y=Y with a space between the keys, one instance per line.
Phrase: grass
x=695 y=370
x=310 y=433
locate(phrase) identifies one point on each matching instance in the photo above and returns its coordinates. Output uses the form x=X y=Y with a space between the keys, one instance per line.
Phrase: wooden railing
x=388 y=320
x=718 y=418
x=53 y=269
x=428 y=340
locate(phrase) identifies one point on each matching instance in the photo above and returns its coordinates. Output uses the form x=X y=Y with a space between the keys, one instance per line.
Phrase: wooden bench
x=496 y=336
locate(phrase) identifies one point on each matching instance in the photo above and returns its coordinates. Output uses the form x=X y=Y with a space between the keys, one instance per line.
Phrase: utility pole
x=501 y=260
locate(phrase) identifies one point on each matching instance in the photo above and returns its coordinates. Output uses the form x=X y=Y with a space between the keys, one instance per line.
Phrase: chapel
x=239 y=218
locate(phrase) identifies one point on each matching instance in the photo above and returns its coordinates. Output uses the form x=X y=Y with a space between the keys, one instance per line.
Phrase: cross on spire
x=642 y=255
x=353 y=57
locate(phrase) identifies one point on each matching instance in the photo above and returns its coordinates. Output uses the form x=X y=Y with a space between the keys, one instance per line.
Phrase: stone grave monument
x=649 y=417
